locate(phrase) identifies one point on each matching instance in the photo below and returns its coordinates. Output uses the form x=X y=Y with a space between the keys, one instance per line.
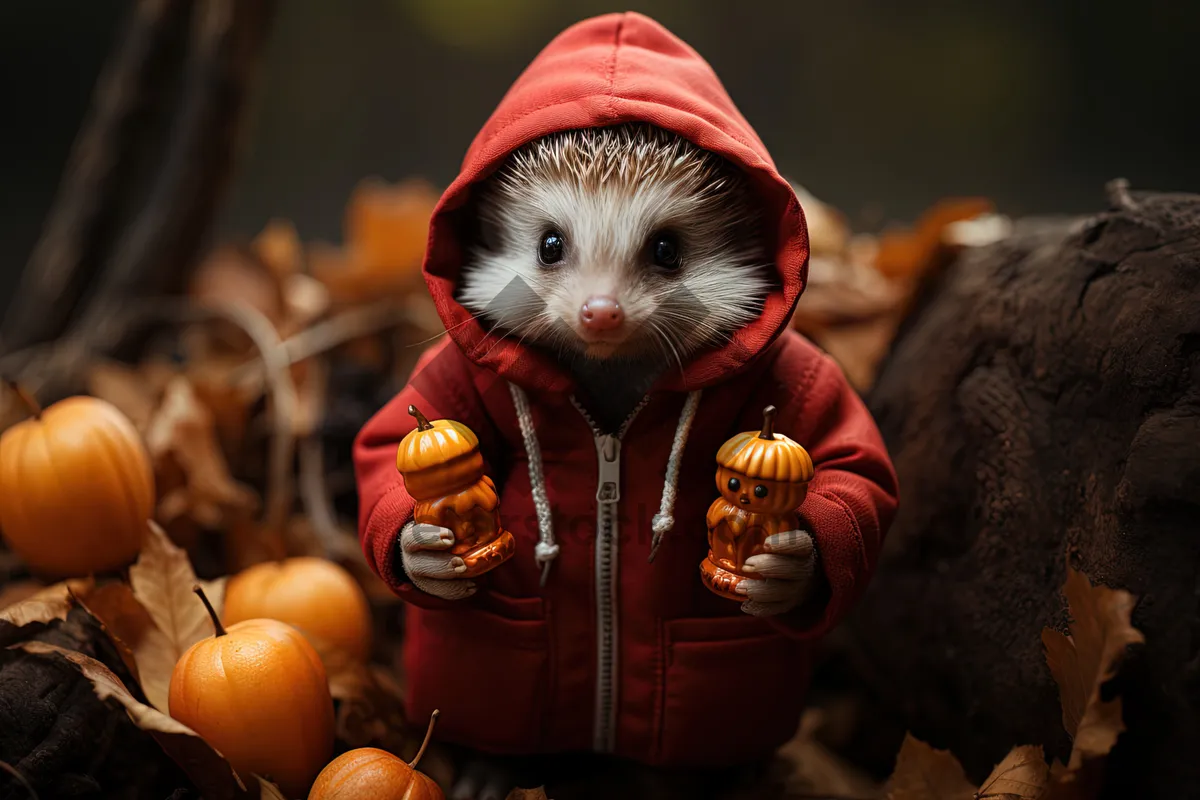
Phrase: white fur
x=607 y=191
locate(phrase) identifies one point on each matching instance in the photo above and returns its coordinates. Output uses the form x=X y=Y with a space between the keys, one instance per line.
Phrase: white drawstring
x=547 y=549
x=664 y=520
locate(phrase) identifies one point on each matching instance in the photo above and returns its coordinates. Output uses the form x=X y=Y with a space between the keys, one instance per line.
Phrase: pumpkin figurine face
x=763 y=478
x=443 y=472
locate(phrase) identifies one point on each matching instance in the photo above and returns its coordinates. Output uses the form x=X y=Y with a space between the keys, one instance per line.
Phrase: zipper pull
x=608 y=452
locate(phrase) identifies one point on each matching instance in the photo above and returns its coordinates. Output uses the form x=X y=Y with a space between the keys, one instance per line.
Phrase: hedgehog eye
x=550 y=251
x=664 y=250
x=734 y=484
x=760 y=491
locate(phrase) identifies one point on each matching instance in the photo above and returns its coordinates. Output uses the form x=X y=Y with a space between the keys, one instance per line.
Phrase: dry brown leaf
x=231 y=275
x=278 y=247
x=122 y=618
x=127 y=388
x=925 y=773
x=268 y=790
x=815 y=769
x=182 y=432
x=386 y=229
x=1100 y=633
x=42 y=606
x=528 y=794
x=828 y=231
x=912 y=253
x=205 y=766
x=1022 y=775
x=162 y=581
x=370 y=705
x=17 y=591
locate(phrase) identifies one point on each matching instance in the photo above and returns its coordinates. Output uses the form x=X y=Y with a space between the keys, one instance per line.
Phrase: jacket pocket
x=487 y=672
x=733 y=690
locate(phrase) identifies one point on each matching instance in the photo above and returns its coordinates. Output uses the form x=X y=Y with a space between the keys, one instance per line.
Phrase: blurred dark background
x=877 y=107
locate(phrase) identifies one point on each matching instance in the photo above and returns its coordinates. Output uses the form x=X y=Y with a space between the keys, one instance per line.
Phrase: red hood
x=604 y=71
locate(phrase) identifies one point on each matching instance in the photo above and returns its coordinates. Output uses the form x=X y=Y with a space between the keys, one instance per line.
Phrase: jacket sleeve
x=851 y=500
x=441 y=387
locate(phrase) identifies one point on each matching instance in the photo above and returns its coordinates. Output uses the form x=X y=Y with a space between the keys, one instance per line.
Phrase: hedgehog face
x=624 y=241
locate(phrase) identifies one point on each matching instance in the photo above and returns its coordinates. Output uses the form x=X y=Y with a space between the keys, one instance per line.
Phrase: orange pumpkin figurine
x=368 y=773
x=443 y=471
x=763 y=478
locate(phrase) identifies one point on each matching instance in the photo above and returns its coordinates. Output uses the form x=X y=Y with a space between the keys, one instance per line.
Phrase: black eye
x=734 y=484
x=760 y=491
x=551 y=249
x=664 y=250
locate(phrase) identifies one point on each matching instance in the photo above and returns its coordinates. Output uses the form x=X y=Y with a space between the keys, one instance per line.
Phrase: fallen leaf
x=370 y=706
x=925 y=773
x=162 y=581
x=126 y=388
x=207 y=768
x=1083 y=661
x=814 y=770
x=386 y=229
x=233 y=274
x=40 y=607
x=17 y=591
x=268 y=790
x=278 y=247
x=1022 y=775
x=182 y=431
x=123 y=618
x=527 y=794
x=828 y=231
x=911 y=253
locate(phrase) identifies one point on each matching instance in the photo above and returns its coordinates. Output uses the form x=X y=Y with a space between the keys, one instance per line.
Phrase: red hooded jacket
x=615 y=653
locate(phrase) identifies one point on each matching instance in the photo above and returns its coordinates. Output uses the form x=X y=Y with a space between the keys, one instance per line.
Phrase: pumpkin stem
x=428 y=734
x=423 y=424
x=768 y=428
x=30 y=402
x=212 y=612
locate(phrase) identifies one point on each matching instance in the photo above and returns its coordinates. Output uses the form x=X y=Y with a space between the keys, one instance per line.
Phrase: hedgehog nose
x=601 y=314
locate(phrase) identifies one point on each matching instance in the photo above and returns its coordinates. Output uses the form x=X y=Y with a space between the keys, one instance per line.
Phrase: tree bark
x=1043 y=403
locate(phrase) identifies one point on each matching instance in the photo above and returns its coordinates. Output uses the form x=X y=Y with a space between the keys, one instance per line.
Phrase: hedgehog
x=622 y=250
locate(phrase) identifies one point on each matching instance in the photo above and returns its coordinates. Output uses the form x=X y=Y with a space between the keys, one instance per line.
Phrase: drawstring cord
x=664 y=520
x=547 y=549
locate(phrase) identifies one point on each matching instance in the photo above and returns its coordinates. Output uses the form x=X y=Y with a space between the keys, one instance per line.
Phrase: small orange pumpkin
x=313 y=594
x=258 y=693
x=371 y=774
x=76 y=487
x=443 y=472
x=763 y=478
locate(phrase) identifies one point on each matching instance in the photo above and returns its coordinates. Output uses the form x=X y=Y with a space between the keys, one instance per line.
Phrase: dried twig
x=345 y=327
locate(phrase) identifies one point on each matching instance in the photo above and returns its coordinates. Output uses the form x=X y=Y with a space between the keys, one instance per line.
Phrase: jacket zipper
x=608 y=495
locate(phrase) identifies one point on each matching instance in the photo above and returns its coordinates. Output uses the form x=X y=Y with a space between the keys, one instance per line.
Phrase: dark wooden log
x=64 y=740
x=1043 y=399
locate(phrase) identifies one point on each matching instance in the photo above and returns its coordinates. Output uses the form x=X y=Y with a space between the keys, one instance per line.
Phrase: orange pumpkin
x=443 y=472
x=76 y=487
x=763 y=478
x=371 y=774
x=313 y=594
x=258 y=693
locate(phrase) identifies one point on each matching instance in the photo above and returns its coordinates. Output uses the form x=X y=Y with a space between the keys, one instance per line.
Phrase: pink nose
x=601 y=314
